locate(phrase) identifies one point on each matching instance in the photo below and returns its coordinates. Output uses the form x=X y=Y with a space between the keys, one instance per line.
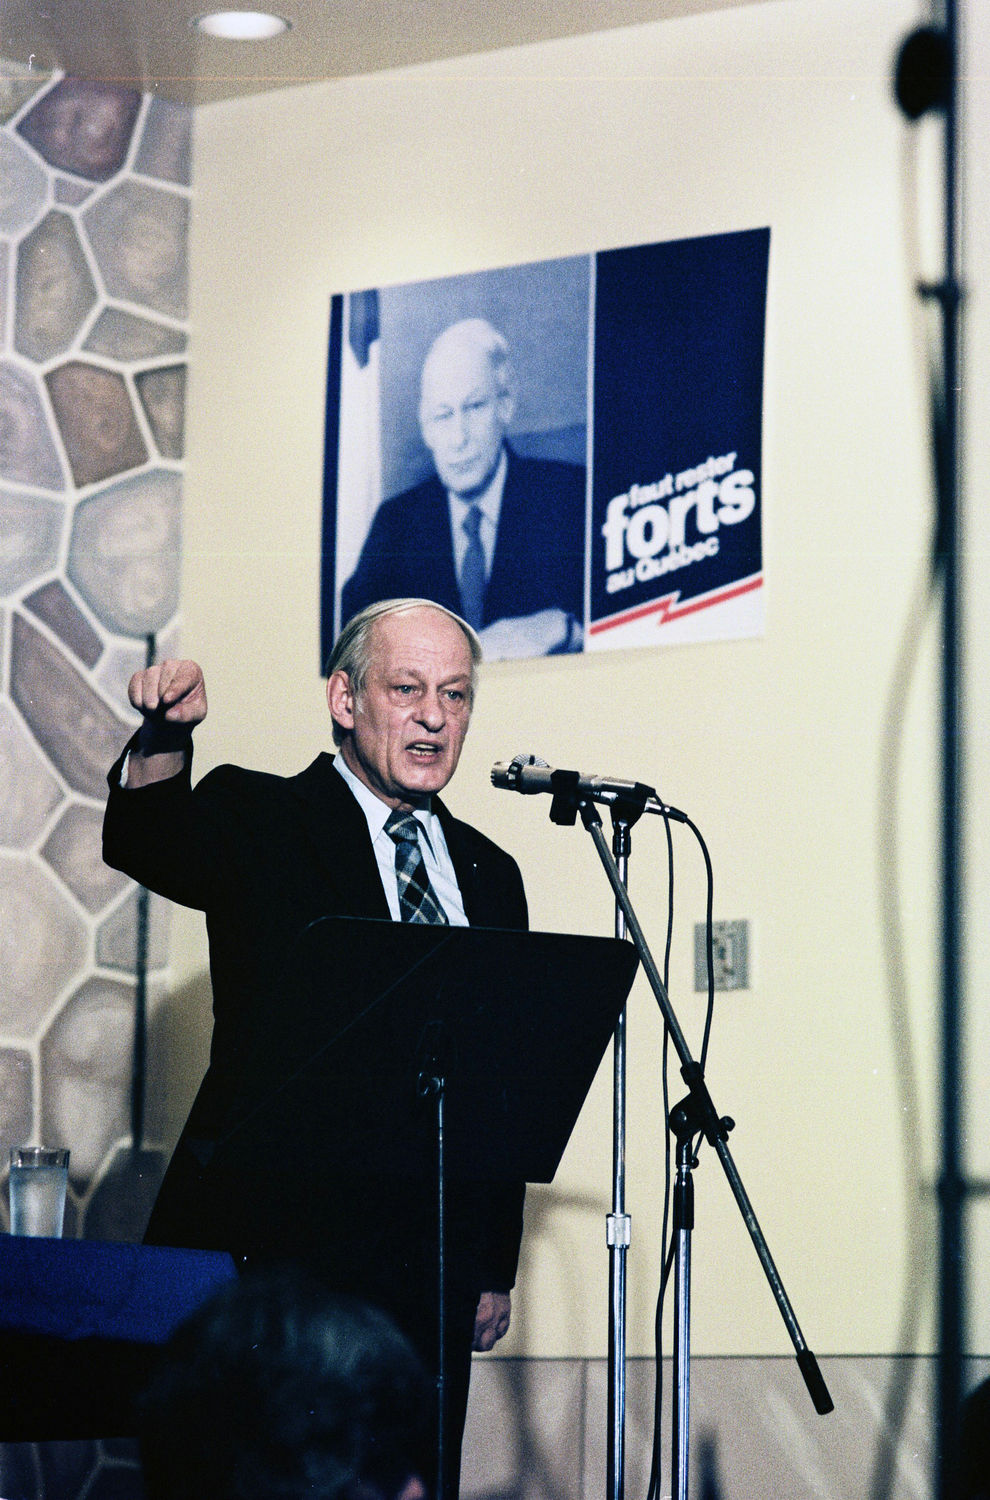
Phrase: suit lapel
x=461 y=850
x=338 y=832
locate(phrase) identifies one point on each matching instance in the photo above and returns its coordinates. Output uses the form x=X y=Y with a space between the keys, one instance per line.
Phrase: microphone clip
x=627 y=807
x=566 y=796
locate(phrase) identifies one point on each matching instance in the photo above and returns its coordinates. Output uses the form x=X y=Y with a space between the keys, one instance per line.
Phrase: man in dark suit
x=496 y=537
x=268 y=858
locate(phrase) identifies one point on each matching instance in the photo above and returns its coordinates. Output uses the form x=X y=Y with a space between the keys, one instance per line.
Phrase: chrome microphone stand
x=696 y=1115
x=618 y=1227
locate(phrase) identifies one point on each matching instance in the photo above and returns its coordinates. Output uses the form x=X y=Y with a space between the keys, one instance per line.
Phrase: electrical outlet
x=730 y=953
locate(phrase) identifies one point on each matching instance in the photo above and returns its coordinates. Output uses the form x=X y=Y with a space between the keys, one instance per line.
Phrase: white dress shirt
x=432 y=844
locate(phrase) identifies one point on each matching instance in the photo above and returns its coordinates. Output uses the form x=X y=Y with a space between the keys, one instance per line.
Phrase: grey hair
x=352 y=651
x=487 y=339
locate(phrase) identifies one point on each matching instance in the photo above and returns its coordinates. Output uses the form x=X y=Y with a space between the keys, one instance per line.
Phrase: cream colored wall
x=780 y=114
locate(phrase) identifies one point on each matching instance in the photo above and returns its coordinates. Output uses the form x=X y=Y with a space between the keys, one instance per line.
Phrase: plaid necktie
x=417 y=898
x=473 y=569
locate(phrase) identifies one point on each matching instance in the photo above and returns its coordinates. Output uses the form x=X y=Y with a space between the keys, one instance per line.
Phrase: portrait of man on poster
x=494 y=524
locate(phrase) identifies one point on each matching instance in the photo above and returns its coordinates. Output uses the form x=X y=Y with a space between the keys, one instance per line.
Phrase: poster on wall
x=567 y=453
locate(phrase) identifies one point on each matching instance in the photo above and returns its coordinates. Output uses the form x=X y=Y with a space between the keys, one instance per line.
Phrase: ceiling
x=150 y=44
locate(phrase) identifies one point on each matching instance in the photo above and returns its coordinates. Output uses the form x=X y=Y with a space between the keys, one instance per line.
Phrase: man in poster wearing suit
x=361 y=834
x=496 y=537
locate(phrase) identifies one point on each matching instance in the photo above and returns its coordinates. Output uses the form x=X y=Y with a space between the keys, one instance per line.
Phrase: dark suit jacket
x=264 y=857
x=539 y=547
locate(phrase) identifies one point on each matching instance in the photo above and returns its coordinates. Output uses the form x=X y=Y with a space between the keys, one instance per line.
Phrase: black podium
x=408 y=1065
x=518 y=1021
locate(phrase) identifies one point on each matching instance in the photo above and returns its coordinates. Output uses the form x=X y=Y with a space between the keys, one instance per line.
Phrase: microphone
x=530 y=775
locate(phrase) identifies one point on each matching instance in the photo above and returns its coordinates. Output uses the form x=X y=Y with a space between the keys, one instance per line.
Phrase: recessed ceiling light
x=241 y=25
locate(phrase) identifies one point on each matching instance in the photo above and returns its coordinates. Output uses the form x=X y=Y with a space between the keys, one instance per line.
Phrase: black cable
x=709 y=905
x=666 y=1239
x=927 y=80
x=710 y=961
x=920 y=82
x=666 y=1255
x=909 y=1112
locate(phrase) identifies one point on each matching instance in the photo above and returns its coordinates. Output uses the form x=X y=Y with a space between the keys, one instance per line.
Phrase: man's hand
x=491 y=1321
x=172 y=698
x=539 y=634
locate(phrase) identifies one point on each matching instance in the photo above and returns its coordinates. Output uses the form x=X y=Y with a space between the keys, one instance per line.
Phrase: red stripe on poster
x=665 y=606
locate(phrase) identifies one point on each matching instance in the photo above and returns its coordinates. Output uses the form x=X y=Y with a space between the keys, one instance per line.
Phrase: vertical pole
x=951 y=1184
x=445 y=1488
x=140 y=1044
x=683 y=1225
x=928 y=79
x=618 y=1224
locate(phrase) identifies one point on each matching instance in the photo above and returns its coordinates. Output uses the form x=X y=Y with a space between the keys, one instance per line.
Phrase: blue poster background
x=678 y=381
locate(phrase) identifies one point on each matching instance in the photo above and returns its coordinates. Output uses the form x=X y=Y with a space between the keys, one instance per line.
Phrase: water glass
x=38 y=1177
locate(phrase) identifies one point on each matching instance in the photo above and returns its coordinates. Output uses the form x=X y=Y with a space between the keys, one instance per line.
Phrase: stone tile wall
x=94 y=211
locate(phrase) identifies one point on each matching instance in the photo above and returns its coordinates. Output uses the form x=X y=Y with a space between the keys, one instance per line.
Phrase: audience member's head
x=276 y=1390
